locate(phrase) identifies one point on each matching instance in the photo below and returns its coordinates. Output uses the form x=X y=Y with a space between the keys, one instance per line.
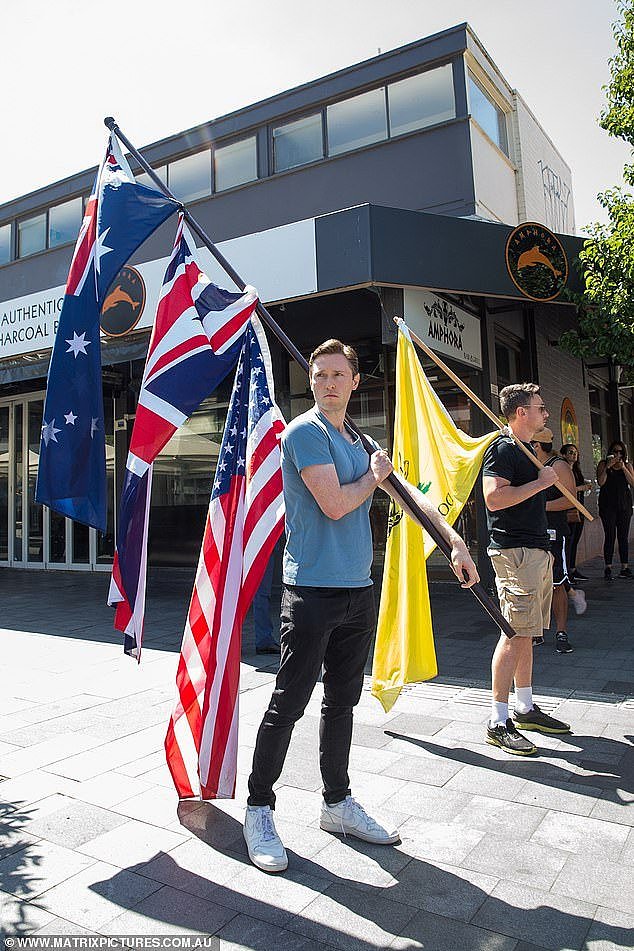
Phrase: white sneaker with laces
x=263 y=843
x=578 y=599
x=350 y=818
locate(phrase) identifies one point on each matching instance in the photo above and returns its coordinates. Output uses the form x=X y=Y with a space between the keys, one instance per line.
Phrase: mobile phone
x=607 y=458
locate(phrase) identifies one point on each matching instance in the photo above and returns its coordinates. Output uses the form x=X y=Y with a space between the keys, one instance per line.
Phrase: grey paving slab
x=442 y=889
x=615 y=805
x=427 y=802
x=131 y=844
x=245 y=932
x=517 y=861
x=343 y=918
x=272 y=898
x=417 y=724
x=436 y=933
x=563 y=797
x=479 y=781
x=364 y=734
x=544 y=919
x=429 y=770
x=62 y=927
x=194 y=867
x=13 y=838
x=25 y=759
x=359 y=863
x=499 y=817
x=581 y=834
x=602 y=881
x=438 y=841
x=169 y=911
x=610 y=931
x=38 y=867
x=96 y=894
x=20 y=917
x=75 y=824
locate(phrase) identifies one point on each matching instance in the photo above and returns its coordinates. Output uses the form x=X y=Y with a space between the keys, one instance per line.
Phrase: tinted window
x=145 y=179
x=421 y=100
x=5 y=244
x=64 y=222
x=297 y=143
x=31 y=235
x=356 y=122
x=488 y=115
x=235 y=164
x=190 y=178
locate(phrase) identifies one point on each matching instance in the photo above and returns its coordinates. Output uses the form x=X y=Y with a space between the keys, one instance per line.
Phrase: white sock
x=523 y=699
x=499 y=713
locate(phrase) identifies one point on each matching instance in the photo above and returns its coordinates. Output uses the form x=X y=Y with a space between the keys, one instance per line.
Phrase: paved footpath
x=496 y=853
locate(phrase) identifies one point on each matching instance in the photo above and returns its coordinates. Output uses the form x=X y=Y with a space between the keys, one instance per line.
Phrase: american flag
x=120 y=215
x=195 y=343
x=245 y=519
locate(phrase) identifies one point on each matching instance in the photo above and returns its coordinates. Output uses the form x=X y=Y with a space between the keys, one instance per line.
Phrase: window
x=235 y=164
x=297 y=143
x=421 y=100
x=64 y=222
x=145 y=179
x=356 y=122
x=5 y=244
x=189 y=178
x=31 y=235
x=488 y=115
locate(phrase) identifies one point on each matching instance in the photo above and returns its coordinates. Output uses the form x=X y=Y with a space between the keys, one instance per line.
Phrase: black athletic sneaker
x=625 y=573
x=562 y=644
x=536 y=719
x=607 y=574
x=508 y=739
x=538 y=640
x=577 y=576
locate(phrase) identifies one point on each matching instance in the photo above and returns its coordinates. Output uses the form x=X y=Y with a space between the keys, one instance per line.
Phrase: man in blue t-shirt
x=328 y=612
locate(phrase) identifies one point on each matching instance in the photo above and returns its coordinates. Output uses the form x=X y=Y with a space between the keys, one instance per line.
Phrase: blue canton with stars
x=250 y=400
x=72 y=469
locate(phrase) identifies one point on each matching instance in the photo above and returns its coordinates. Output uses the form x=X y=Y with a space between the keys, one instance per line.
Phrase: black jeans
x=616 y=524
x=332 y=627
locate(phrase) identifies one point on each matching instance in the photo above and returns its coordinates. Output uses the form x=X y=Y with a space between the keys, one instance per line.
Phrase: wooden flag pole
x=489 y=412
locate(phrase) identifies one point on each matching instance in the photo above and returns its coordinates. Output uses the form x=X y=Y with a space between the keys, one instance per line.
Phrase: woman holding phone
x=615 y=476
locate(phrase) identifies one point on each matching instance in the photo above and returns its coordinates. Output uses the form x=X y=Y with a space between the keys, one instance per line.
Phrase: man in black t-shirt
x=519 y=549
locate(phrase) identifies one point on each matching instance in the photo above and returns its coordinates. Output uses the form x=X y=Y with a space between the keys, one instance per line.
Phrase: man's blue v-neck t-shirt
x=322 y=552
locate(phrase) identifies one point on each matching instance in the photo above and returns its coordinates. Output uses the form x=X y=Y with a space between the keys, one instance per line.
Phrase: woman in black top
x=615 y=475
x=576 y=520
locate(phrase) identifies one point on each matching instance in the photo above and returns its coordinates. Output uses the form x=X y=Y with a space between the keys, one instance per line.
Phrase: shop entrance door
x=32 y=536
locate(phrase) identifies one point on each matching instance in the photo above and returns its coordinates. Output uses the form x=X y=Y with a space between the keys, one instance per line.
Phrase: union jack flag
x=245 y=519
x=120 y=215
x=195 y=343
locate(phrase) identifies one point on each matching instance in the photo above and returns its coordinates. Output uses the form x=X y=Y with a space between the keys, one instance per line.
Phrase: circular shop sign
x=124 y=303
x=536 y=261
x=569 y=425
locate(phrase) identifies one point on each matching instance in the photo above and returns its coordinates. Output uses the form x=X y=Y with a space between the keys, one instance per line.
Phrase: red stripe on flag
x=227 y=331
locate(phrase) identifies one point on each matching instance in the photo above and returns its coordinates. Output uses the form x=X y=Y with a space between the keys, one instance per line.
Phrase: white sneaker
x=578 y=598
x=350 y=818
x=264 y=844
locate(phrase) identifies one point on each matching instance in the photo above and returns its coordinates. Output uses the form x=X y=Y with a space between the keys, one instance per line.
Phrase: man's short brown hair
x=515 y=395
x=336 y=346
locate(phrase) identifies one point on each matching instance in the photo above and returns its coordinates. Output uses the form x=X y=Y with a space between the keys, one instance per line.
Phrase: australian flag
x=120 y=215
x=195 y=343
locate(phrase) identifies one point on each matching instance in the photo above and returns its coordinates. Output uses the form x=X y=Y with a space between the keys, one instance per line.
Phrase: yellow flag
x=443 y=462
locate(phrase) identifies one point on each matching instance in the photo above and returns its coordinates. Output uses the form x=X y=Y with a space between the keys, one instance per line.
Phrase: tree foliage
x=606 y=308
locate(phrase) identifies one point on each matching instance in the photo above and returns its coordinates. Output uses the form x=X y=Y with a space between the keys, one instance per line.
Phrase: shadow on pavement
x=424 y=903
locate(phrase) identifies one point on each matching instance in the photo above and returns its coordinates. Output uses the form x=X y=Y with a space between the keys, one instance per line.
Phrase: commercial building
x=399 y=185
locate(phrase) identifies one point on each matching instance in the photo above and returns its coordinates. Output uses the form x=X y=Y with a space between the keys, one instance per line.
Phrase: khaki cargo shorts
x=524 y=579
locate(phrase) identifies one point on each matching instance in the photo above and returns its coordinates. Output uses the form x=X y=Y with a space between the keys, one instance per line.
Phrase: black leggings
x=616 y=524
